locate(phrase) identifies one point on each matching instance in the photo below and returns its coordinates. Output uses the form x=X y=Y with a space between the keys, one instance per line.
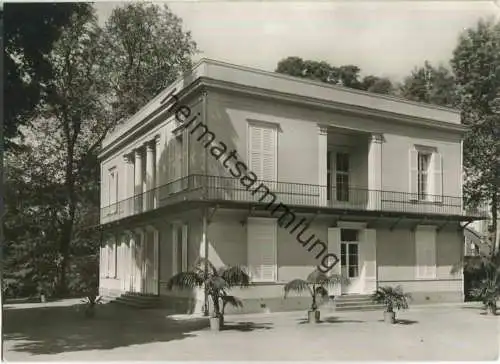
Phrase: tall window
x=424 y=160
x=179 y=248
x=262 y=151
x=349 y=253
x=112 y=190
x=342 y=176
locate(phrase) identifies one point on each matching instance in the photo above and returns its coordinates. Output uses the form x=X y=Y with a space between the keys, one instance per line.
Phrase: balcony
x=228 y=189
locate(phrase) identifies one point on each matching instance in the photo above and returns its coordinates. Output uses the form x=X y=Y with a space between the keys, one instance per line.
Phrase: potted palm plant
x=392 y=298
x=90 y=303
x=316 y=285
x=488 y=291
x=217 y=282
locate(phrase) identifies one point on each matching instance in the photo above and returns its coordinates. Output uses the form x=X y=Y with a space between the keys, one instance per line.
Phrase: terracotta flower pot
x=216 y=323
x=313 y=316
x=390 y=317
x=492 y=310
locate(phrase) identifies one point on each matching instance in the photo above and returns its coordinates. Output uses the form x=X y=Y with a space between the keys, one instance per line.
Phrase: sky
x=383 y=38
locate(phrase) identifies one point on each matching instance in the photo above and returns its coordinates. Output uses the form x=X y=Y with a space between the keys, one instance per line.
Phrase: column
x=129 y=184
x=375 y=172
x=138 y=180
x=150 y=159
x=157 y=171
x=322 y=167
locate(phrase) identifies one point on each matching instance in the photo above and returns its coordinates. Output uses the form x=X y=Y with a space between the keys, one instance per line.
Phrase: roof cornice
x=329 y=105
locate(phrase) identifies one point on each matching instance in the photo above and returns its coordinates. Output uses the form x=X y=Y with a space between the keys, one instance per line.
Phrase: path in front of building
x=55 y=332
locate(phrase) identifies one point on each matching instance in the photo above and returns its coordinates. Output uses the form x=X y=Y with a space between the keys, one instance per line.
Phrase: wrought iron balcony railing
x=216 y=188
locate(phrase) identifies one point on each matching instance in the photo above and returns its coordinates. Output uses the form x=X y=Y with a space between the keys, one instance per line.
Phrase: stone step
x=361 y=307
x=138 y=301
x=353 y=297
x=134 y=304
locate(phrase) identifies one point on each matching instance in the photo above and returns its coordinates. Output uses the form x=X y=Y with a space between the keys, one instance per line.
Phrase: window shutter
x=255 y=150
x=425 y=242
x=262 y=151
x=175 y=231
x=184 y=248
x=413 y=163
x=367 y=255
x=105 y=251
x=437 y=177
x=102 y=260
x=262 y=249
x=334 y=248
x=185 y=158
x=269 y=154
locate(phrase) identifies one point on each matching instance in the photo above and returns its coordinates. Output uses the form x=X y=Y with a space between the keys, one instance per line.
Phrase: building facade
x=282 y=175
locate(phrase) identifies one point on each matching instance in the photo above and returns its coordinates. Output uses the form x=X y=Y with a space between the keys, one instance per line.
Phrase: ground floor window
x=349 y=252
x=179 y=248
x=425 y=246
x=262 y=249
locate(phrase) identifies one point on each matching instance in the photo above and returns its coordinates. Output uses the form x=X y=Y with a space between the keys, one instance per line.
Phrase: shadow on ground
x=402 y=322
x=58 y=329
x=329 y=320
x=247 y=326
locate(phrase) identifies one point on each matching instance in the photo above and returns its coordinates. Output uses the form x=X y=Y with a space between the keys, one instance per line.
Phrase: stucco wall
x=396 y=260
x=228 y=117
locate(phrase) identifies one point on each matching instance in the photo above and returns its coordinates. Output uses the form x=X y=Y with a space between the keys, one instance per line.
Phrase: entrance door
x=349 y=260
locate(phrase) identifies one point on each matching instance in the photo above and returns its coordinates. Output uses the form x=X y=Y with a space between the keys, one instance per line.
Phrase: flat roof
x=308 y=89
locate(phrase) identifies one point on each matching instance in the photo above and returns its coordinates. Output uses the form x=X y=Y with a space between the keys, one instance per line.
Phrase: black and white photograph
x=250 y=181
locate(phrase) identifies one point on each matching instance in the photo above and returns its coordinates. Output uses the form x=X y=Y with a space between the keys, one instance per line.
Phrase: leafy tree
x=347 y=75
x=430 y=85
x=476 y=64
x=30 y=30
x=146 y=50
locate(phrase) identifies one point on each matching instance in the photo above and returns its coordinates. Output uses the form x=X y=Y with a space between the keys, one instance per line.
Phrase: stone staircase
x=135 y=300
x=356 y=302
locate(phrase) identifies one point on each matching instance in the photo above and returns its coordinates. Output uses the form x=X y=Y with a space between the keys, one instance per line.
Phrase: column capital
x=157 y=139
x=322 y=130
x=129 y=157
x=137 y=153
x=150 y=146
x=377 y=138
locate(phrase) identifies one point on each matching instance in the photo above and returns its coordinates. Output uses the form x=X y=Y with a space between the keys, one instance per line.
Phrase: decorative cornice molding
x=154 y=114
x=332 y=105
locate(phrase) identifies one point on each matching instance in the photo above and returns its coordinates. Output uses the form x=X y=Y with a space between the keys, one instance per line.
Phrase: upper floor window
x=426 y=176
x=338 y=176
x=424 y=161
x=262 y=150
x=342 y=176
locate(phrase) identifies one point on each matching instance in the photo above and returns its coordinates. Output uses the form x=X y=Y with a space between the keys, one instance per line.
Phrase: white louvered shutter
x=368 y=258
x=425 y=241
x=185 y=158
x=334 y=248
x=437 y=177
x=413 y=177
x=269 y=154
x=184 y=253
x=262 y=249
x=255 y=150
